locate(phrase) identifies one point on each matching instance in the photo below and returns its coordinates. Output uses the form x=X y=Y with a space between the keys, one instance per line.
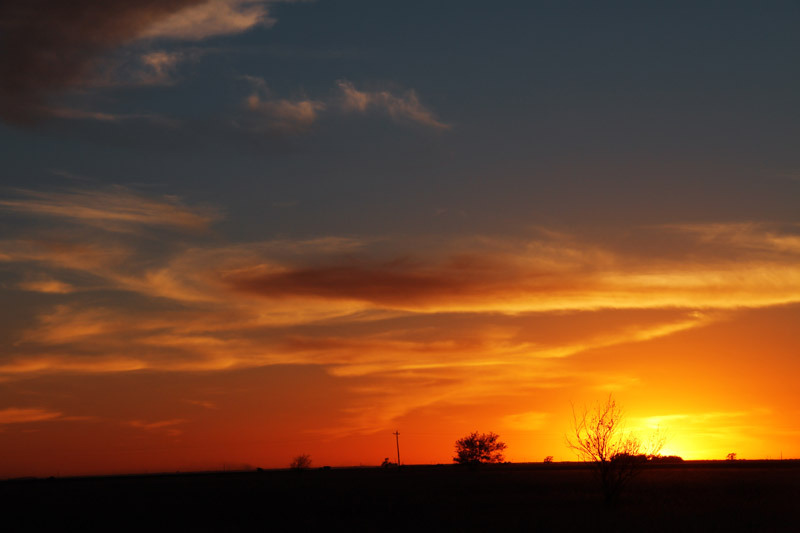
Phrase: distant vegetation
x=301 y=462
x=478 y=448
x=664 y=459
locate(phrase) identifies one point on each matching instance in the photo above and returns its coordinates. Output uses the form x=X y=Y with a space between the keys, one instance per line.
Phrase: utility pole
x=397 y=441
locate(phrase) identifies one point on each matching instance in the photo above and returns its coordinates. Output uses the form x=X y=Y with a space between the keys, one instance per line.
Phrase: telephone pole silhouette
x=397 y=441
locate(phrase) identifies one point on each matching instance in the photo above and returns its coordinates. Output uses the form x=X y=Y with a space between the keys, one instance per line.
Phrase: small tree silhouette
x=478 y=448
x=600 y=438
x=731 y=456
x=548 y=459
x=301 y=462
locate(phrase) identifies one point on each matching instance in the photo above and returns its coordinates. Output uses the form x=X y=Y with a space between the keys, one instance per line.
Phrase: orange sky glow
x=206 y=353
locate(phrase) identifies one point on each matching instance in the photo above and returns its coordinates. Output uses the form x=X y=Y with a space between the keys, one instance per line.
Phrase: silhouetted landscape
x=247 y=243
x=689 y=496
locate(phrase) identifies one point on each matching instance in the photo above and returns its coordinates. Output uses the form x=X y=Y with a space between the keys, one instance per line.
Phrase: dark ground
x=693 y=496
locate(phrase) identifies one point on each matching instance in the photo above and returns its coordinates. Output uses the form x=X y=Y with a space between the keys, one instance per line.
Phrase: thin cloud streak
x=110 y=208
x=16 y=415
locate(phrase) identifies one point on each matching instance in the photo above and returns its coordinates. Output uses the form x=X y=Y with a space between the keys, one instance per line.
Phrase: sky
x=236 y=231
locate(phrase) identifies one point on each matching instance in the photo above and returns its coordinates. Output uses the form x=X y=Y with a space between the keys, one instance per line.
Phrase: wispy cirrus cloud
x=750 y=236
x=112 y=209
x=165 y=426
x=74 y=113
x=16 y=415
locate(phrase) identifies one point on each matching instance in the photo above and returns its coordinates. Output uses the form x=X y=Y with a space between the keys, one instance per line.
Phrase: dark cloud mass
x=50 y=45
x=395 y=282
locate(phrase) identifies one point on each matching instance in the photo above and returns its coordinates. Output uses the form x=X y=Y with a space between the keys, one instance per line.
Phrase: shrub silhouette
x=731 y=456
x=301 y=462
x=478 y=448
x=548 y=459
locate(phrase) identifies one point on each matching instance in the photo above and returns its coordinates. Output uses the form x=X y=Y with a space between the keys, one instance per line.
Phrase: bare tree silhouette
x=478 y=448
x=599 y=437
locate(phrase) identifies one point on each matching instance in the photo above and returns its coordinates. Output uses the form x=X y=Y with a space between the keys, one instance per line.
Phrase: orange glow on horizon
x=251 y=354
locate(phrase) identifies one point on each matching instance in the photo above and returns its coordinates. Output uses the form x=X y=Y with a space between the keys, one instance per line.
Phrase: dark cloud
x=47 y=46
x=395 y=282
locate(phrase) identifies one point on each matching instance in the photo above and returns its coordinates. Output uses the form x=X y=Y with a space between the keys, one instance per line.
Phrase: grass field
x=693 y=496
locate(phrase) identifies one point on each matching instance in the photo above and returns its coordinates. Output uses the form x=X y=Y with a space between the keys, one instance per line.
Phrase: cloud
x=49 y=46
x=285 y=116
x=202 y=403
x=401 y=108
x=404 y=325
x=165 y=426
x=210 y=19
x=751 y=236
x=395 y=283
x=110 y=209
x=47 y=286
x=110 y=341
x=332 y=277
x=149 y=68
x=14 y=415
x=357 y=307
x=529 y=421
x=70 y=113
x=296 y=116
x=507 y=279
x=81 y=114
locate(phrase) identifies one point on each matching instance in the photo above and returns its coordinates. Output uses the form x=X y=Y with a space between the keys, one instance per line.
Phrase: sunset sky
x=235 y=231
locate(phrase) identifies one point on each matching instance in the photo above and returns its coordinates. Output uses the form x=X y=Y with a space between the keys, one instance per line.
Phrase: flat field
x=693 y=496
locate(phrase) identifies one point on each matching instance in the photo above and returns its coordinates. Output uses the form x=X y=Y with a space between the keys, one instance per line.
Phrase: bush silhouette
x=478 y=448
x=301 y=462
